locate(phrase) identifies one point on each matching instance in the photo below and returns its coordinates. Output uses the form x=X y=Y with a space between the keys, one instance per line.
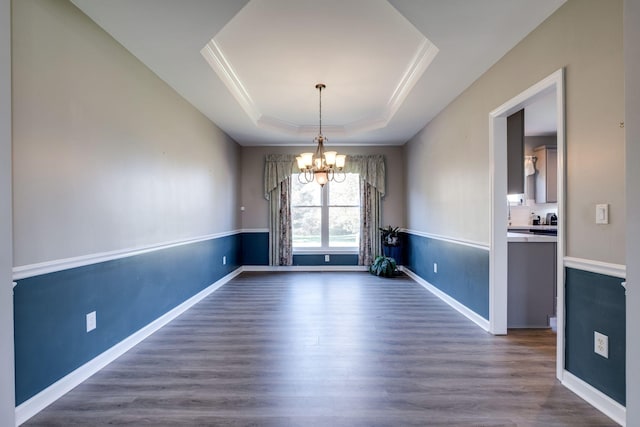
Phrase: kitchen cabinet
x=531 y=283
x=515 y=153
x=546 y=174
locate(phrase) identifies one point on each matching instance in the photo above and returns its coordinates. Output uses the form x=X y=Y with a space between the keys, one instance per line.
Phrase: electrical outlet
x=435 y=267
x=327 y=258
x=224 y=260
x=91 y=321
x=601 y=344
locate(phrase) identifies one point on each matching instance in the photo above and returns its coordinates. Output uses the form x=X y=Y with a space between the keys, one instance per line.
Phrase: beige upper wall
x=256 y=213
x=449 y=192
x=106 y=156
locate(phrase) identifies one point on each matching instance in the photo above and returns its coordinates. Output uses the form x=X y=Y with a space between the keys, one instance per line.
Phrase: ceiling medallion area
x=391 y=57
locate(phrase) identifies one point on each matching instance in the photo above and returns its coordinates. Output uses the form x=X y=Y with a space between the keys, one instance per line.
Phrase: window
x=326 y=217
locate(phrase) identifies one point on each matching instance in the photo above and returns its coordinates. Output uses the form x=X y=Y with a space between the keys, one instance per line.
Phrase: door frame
x=7 y=386
x=499 y=210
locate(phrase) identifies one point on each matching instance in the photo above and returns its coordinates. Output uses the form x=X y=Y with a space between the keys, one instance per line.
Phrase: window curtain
x=372 y=189
x=277 y=189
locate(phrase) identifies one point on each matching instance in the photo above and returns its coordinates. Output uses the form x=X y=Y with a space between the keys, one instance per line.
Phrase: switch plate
x=327 y=258
x=91 y=321
x=224 y=260
x=602 y=214
x=601 y=344
x=435 y=267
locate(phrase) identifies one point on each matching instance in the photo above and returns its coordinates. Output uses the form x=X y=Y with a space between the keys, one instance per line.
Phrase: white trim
x=498 y=170
x=498 y=253
x=471 y=243
x=254 y=230
x=30 y=270
x=213 y=54
x=56 y=390
x=595 y=397
x=421 y=60
x=305 y=268
x=606 y=268
x=461 y=308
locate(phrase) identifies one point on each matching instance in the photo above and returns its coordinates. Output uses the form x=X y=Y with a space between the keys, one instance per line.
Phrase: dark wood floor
x=327 y=349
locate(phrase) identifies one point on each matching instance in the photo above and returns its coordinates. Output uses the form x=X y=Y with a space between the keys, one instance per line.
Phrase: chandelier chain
x=320 y=107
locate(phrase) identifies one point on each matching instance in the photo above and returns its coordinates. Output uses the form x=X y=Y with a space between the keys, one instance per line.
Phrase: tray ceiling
x=252 y=66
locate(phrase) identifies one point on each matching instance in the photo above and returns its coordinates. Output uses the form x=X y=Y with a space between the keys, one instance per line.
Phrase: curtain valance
x=277 y=168
x=370 y=168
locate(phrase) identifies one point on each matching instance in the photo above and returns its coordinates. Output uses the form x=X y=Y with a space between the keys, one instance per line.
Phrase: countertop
x=531 y=238
x=532 y=227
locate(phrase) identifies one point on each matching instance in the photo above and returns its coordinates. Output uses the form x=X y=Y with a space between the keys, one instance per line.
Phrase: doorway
x=498 y=268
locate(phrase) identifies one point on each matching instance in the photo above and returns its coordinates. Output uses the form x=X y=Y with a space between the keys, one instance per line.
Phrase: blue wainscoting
x=318 y=259
x=255 y=248
x=463 y=271
x=127 y=294
x=596 y=302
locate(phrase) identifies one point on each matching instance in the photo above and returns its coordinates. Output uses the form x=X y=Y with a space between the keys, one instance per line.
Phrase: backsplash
x=521 y=214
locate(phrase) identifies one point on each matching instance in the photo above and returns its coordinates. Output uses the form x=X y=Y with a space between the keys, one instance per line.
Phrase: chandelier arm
x=339 y=176
x=308 y=175
x=300 y=175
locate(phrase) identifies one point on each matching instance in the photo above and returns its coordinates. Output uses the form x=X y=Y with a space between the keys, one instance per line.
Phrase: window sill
x=326 y=251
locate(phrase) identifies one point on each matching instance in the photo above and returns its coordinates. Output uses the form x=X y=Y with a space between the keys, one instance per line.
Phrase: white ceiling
x=252 y=66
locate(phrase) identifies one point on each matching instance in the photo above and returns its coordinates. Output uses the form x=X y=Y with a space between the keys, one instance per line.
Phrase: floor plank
x=325 y=348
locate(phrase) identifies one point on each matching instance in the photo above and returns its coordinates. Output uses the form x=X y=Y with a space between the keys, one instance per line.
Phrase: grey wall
x=449 y=192
x=632 y=127
x=256 y=214
x=106 y=155
x=7 y=402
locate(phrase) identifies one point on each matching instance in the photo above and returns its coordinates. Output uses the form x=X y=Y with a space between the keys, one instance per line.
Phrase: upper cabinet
x=546 y=174
x=515 y=153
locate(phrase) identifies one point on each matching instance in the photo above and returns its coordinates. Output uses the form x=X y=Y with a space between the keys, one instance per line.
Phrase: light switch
x=602 y=214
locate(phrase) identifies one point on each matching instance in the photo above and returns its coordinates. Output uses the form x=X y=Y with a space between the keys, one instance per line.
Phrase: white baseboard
x=305 y=268
x=595 y=397
x=56 y=390
x=461 y=308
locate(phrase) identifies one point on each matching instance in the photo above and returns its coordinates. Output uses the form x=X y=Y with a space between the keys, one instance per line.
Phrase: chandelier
x=321 y=166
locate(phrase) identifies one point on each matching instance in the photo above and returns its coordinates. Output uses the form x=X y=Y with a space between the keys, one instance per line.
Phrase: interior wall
x=106 y=155
x=632 y=128
x=256 y=213
x=449 y=192
x=7 y=401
